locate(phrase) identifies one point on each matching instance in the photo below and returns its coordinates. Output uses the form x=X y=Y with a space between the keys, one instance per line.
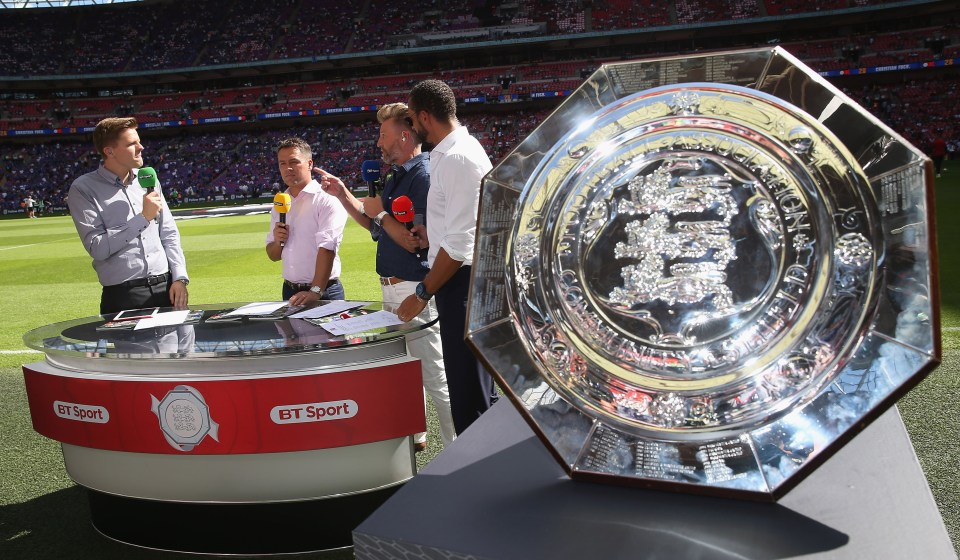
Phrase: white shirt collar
x=449 y=139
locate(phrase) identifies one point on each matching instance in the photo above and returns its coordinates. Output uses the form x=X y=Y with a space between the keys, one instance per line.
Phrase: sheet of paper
x=362 y=323
x=163 y=320
x=328 y=309
x=258 y=308
x=131 y=314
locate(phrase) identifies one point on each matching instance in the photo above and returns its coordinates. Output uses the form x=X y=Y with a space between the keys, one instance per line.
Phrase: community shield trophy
x=706 y=273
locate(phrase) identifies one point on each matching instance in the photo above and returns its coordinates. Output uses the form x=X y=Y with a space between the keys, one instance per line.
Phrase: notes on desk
x=258 y=308
x=156 y=320
x=362 y=323
x=328 y=309
x=167 y=319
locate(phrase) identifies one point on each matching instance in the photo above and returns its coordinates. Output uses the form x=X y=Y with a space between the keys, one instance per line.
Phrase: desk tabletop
x=86 y=338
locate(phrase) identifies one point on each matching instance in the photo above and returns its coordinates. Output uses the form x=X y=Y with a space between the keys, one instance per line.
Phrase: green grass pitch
x=45 y=277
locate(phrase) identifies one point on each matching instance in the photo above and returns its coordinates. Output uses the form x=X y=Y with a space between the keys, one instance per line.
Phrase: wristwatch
x=316 y=289
x=379 y=219
x=422 y=293
x=186 y=281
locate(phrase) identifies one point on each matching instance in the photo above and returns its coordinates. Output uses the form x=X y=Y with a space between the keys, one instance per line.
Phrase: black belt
x=142 y=282
x=306 y=287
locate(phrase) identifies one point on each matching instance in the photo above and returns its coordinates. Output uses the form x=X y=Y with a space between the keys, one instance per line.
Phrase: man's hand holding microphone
x=281 y=201
x=152 y=203
x=404 y=212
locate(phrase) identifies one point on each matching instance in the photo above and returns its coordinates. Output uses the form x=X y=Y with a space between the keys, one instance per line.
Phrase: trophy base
x=497 y=493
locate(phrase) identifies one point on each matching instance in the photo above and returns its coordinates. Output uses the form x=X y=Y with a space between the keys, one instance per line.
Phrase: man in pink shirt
x=308 y=242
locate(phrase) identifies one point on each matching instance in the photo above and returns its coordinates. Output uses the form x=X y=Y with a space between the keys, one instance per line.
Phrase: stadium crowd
x=223 y=165
x=200 y=164
x=56 y=42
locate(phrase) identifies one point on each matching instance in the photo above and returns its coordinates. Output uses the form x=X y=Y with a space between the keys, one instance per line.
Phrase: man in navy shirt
x=400 y=262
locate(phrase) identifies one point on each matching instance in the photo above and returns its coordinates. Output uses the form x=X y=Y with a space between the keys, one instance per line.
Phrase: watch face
x=316 y=289
x=422 y=292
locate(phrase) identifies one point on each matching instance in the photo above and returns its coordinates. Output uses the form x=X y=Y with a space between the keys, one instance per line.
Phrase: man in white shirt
x=309 y=241
x=457 y=163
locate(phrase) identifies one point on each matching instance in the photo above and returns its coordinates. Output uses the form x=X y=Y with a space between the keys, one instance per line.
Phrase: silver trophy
x=706 y=273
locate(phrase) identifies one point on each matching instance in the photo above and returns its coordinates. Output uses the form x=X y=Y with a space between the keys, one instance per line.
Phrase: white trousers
x=425 y=345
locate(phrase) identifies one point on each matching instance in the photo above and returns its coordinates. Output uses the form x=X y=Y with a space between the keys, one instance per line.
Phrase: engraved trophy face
x=683 y=279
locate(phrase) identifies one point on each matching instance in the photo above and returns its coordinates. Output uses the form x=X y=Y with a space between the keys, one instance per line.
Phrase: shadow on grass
x=57 y=526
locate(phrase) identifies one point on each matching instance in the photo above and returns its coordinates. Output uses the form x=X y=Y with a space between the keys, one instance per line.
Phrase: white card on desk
x=163 y=320
x=258 y=308
x=362 y=323
x=328 y=309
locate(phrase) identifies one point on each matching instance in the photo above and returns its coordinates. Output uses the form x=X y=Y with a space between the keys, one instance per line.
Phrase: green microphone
x=147 y=178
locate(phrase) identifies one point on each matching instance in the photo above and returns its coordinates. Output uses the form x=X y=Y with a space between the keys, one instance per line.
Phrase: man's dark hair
x=298 y=143
x=436 y=98
x=109 y=129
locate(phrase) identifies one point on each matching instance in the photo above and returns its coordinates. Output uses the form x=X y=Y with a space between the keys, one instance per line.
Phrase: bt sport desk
x=232 y=436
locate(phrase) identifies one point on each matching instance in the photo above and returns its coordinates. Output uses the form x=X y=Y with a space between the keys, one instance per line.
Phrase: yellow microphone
x=282 y=201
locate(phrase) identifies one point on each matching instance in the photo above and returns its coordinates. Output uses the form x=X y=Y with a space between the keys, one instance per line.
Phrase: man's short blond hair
x=109 y=129
x=397 y=111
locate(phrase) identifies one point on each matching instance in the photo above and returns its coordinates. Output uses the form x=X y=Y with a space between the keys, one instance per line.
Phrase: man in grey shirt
x=130 y=233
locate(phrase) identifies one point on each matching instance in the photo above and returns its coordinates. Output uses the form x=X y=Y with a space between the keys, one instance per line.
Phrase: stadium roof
x=55 y=3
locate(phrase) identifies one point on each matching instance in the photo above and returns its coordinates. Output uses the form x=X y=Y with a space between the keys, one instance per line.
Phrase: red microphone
x=403 y=210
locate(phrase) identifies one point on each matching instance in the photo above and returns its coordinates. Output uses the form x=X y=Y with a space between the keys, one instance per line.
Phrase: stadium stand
x=298 y=70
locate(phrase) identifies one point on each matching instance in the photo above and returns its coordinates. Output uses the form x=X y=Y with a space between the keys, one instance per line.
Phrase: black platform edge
x=243 y=529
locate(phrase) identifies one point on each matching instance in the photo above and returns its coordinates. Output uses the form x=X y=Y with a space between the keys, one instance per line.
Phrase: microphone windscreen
x=282 y=201
x=370 y=170
x=403 y=209
x=147 y=178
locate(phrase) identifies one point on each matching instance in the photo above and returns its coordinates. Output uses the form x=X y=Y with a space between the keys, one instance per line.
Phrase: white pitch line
x=35 y=244
x=24 y=351
x=950 y=329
